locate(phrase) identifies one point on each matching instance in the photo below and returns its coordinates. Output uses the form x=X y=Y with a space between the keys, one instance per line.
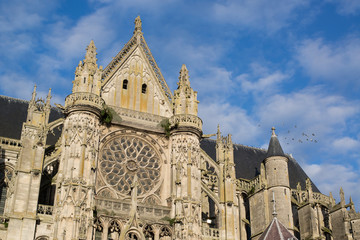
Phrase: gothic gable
x=133 y=80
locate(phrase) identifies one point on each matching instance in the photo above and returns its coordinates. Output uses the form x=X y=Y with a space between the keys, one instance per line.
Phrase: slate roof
x=248 y=160
x=275 y=148
x=14 y=113
x=276 y=231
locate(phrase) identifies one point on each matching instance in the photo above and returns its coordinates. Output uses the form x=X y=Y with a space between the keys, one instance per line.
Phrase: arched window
x=143 y=88
x=125 y=84
x=148 y=232
x=5 y=178
x=98 y=229
x=113 y=230
x=48 y=186
x=132 y=236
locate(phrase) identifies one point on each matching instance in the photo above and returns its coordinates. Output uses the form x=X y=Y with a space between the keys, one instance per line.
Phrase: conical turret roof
x=275 y=148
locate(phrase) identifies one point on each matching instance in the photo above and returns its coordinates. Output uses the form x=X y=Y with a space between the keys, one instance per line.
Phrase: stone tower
x=229 y=211
x=185 y=159
x=277 y=176
x=24 y=200
x=80 y=138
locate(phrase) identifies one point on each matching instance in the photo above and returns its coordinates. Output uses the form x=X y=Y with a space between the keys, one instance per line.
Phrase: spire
x=218 y=133
x=185 y=98
x=351 y=203
x=138 y=25
x=342 y=196
x=33 y=94
x=275 y=148
x=184 y=77
x=48 y=98
x=90 y=56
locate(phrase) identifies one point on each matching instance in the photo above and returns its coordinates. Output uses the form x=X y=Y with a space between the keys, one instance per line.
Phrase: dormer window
x=143 y=88
x=125 y=84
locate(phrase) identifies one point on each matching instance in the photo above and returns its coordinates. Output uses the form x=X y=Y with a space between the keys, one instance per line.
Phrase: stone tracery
x=124 y=157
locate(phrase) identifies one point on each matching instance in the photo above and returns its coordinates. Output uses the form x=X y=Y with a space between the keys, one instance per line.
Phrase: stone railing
x=243 y=184
x=10 y=142
x=83 y=98
x=120 y=57
x=124 y=112
x=303 y=197
x=255 y=182
x=45 y=209
x=186 y=120
x=210 y=233
x=157 y=212
x=318 y=197
x=211 y=180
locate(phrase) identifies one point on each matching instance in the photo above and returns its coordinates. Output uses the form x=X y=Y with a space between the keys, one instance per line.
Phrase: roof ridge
x=27 y=101
x=15 y=99
x=239 y=144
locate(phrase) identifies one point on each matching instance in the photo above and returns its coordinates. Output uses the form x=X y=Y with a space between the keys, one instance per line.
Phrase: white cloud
x=338 y=62
x=16 y=85
x=71 y=42
x=346 y=144
x=232 y=119
x=330 y=177
x=261 y=79
x=258 y=14
x=347 y=7
x=308 y=122
x=311 y=108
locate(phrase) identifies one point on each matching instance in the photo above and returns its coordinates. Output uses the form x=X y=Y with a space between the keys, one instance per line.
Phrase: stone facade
x=126 y=159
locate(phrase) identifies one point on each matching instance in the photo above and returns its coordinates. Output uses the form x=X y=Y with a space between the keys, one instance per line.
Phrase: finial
x=274 y=206
x=218 y=131
x=273 y=131
x=298 y=187
x=138 y=24
x=342 y=195
x=48 y=97
x=34 y=93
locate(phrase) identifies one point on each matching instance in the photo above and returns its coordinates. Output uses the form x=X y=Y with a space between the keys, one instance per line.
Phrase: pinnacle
x=183 y=67
x=90 y=56
x=184 y=76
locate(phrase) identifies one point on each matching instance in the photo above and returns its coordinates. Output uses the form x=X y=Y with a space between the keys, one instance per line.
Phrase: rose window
x=125 y=156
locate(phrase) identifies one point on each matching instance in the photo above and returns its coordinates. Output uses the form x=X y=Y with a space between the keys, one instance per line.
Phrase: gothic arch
x=165 y=233
x=6 y=175
x=47 y=184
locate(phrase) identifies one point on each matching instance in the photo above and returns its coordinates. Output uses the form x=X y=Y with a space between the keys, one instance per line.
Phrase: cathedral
x=126 y=158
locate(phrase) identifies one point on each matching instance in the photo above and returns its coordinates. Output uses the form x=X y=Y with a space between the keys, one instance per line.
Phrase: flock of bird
x=305 y=137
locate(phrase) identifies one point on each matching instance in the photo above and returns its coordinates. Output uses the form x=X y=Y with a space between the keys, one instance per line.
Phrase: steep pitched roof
x=14 y=113
x=248 y=160
x=274 y=148
x=136 y=41
x=276 y=231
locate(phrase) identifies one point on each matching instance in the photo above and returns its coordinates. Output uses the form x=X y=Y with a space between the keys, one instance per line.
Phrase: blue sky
x=256 y=64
